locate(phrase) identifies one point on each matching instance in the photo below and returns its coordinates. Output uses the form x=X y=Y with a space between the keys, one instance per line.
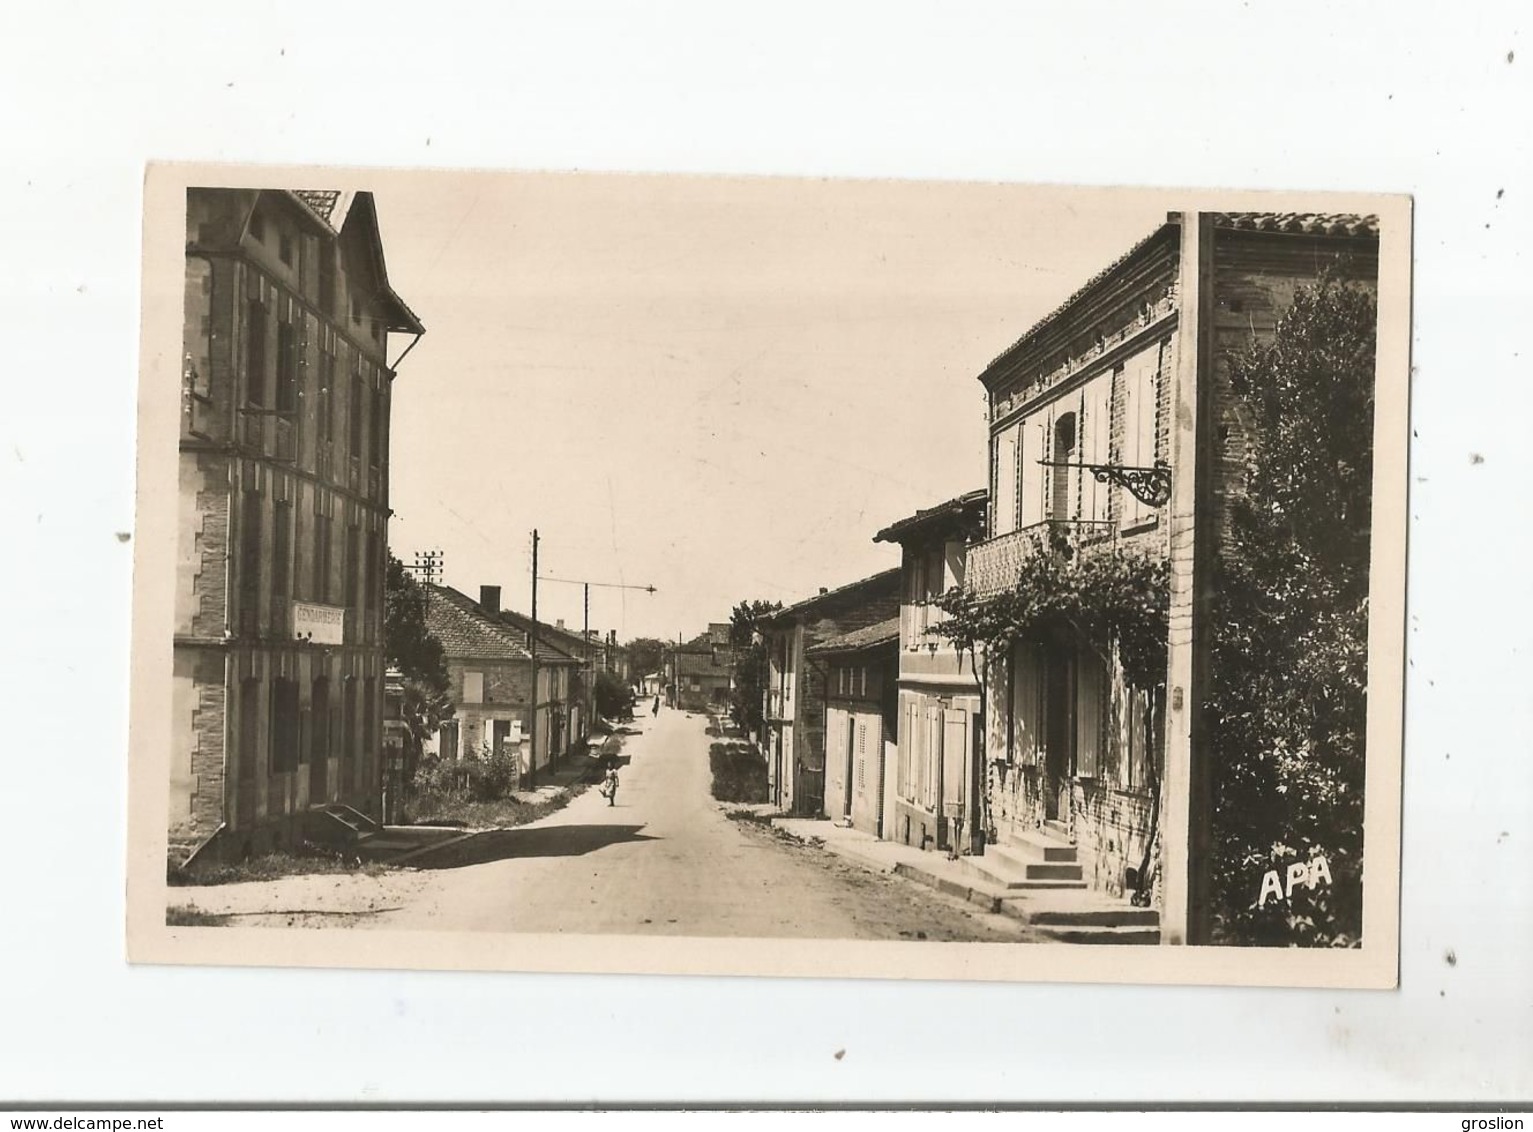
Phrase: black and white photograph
x=677 y=560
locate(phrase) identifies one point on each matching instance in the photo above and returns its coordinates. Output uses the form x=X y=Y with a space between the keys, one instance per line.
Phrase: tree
x=410 y=646
x=614 y=698
x=645 y=655
x=1287 y=701
x=750 y=666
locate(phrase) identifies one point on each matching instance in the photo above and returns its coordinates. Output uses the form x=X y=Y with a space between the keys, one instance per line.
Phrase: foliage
x=410 y=646
x=1109 y=597
x=645 y=655
x=614 y=698
x=1287 y=707
x=498 y=776
x=739 y=773
x=750 y=665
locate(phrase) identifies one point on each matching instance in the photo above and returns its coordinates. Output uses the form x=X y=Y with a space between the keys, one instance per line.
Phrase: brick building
x=794 y=700
x=934 y=791
x=489 y=672
x=1103 y=416
x=283 y=501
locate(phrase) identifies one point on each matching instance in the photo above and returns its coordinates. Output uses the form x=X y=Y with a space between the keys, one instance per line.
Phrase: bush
x=739 y=773
x=497 y=777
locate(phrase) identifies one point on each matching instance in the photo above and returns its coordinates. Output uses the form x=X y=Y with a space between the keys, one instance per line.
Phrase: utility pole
x=586 y=585
x=585 y=644
x=532 y=758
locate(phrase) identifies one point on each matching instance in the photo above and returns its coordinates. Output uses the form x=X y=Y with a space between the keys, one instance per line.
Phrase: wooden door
x=1059 y=736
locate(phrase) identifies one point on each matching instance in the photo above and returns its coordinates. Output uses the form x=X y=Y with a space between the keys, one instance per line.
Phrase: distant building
x=702 y=670
x=936 y=788
x=794 y=703
x=284 y=501
x=489 y=668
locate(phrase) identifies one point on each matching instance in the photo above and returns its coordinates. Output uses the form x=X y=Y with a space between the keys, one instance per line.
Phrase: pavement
x=1069 y=915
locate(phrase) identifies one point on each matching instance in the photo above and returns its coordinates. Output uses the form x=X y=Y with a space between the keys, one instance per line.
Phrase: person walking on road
x=609 y=786
x=656 y=709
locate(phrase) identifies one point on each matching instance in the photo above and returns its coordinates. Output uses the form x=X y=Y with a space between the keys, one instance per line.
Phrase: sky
x=722 y=388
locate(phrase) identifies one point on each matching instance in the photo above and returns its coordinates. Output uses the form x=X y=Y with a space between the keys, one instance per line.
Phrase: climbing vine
x=1109 y=598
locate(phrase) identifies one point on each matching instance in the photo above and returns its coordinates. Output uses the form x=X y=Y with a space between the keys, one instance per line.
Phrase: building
x=284 y=504
x=934 y=792
x=490 y=675
x=566 y=714
x=794 y=705
x=1114 y=429
x=702 y=670
x=861 y=713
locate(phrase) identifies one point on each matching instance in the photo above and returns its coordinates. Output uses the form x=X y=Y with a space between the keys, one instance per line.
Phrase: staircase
x=1045 y=885
x=339 y=826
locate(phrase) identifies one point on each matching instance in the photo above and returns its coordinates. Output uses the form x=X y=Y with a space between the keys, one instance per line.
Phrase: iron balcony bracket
x=1151 y=486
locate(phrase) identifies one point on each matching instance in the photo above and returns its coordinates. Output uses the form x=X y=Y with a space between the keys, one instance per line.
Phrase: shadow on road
x=545 y=841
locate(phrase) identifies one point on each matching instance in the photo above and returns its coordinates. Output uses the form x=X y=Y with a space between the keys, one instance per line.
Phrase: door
x=1059 y=737
x=319 y=747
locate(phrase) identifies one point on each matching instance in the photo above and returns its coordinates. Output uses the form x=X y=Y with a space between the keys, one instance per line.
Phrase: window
x=257 y=227
x=327 y=279
x=372 y=575
x=320 y=709
x=282 y=549
x=1140 y=397
x=284 y=725
x=285 y=247
x=322 y=530
x=325 y=418
x=349 y=736
x=353 y=590
x=1095 y=446
x=375 y=436
x=250 y=559
x=1062 y=505
x=1008 y=449
x=255 y=353
x=250 y=728
x=356 y=412
x=447 y=747
x=287 y=368
x=1033 y=444
x=473 y=687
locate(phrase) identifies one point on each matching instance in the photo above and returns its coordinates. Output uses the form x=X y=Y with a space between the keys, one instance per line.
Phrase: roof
x=973 y=501
x=467 y=630
x=331 y=210
x=868 y=637
x=890 y=576
x=697 y=662
x=1335 y=224
x=555 y=645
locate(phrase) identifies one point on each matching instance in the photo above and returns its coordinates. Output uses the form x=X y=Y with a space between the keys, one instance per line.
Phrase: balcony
x=993 y=566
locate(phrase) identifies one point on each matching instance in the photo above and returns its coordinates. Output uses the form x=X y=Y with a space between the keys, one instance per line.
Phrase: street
x=667 y=860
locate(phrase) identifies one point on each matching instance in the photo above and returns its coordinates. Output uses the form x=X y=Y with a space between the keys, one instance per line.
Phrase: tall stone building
x=284 y=504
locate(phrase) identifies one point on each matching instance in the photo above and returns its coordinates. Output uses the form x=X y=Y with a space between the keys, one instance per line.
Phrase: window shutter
x=1088 y=716
x=1033 y=447
x=1006 y=453
x=1024 y=705
x=955 y=746
x=1099 y=444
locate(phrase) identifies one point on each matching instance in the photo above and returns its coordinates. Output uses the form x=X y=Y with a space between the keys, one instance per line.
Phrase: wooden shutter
x=1088 y=715
x=1025 y=701
x=1139 y=395
x=1007 y=447
x=933 y=755
x=1096 y=448
x=955 y=749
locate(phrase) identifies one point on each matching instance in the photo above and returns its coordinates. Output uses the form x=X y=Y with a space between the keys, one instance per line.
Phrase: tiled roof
x=467 y=630
x=322 y=201
x=889 y=578
x=1302 y=223
x=869 y=636
x=698 y=662
x=555 y=645
x=1306 y=223
x=973 y=501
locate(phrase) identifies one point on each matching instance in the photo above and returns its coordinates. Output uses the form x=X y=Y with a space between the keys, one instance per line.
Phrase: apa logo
x=1308 y=873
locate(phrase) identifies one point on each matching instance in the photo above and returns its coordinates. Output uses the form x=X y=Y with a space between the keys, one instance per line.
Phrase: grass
x=273 y=866
x=448 y=809
x=739 y=773
x=186 y=916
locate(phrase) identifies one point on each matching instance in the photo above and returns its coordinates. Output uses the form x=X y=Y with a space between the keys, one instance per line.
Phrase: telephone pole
x=532 y=758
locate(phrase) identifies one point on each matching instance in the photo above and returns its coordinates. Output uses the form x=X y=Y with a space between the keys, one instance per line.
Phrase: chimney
x=824 y=590
x=612 y=637
x=489 y=597
x=559 y=624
